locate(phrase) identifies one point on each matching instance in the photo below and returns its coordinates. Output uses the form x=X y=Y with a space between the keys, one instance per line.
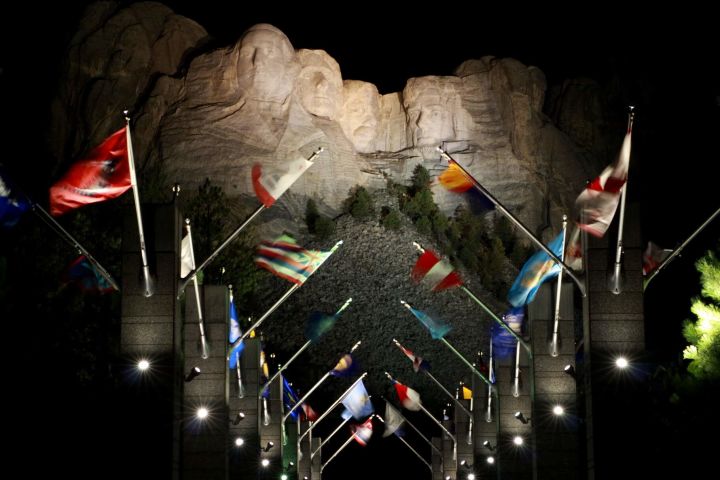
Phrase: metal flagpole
x=677 y=251
x=408 y=445
x=516 y=376
x=554 y=344
x=417 y=430
x=312 y=454
x=472 y=419
x=452 y=437
x=491 y=374
x=327 y=412
x=201 y=325
x=53 y=224
x=314 y=387
x=616 y=279
x=136 y=197
x=302 y=349
x=322 y=467
x=462 y=407
x=232 y=236
x=517 y=222
x=282 y=299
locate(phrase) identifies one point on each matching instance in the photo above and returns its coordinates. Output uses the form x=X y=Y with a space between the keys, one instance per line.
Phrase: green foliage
x=311 y=215
x=359 y=204
x=420 y=179
x=391 y=219
x=324 y=227
x=423 y=225
x=704 y=333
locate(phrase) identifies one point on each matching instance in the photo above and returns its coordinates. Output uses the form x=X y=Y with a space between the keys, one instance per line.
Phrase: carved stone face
x=319 y=86
x=266 y=64
x=360 y=114
x=430 y=103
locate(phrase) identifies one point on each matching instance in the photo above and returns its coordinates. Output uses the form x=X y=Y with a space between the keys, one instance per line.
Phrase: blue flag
x=503 y=343
x=12 y=205
x=438 y=328
x=84 y=274
x=357 y=402
x=290 y=398
x=539 y=268
x=234 y=334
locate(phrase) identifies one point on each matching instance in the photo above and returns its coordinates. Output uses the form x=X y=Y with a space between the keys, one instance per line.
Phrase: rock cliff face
x=215 y=114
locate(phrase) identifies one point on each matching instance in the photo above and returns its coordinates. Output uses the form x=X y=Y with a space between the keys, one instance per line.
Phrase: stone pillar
x=514 y=461
x=244 y=459
x=437 y=460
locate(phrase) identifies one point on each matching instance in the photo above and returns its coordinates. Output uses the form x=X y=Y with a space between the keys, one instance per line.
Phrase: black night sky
x=664 y=63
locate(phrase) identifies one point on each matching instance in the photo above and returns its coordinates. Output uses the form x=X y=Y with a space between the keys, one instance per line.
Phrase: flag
x=357 y=401
x=269 y=185
x=290 y=398
x=234 y=334
x=345 y=367
x=653 y=257
x=319 y=324
x=539 y=268
x=287 y=260
x=102 y=175
x=466 y=393
x=409 y=398
x=83 y=273
x=438 y=329
x=598 y=202
x=363 y=432
x=573 y=250
x=187 y=259
x=264 y=373
x=12 y=205
x=435 y=273
x=418 y=362
x=503 y=343
x=308 y=412
x=454 y=179
x=393 y=420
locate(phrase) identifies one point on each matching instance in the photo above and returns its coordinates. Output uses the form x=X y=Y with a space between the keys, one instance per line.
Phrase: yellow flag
x=467 y=393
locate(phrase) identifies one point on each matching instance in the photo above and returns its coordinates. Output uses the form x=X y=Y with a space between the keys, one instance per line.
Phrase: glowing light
x=621 y=362
x=202 y=413
x=143 y=365
x=558 y=410
x=518 y=440
x=239 y=442
x=265 y=462
x=283 y=477
x=471 y=476
x=490 y=460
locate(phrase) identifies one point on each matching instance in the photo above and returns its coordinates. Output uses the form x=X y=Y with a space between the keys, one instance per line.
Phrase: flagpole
x=472 y=419
x=677 y=251
x=138 y=214
x=54 y=225
x=201 y=324
x=314 y=387
x=327 y=412
x=238 y=370
x=491 y=374
x=516 y=376
x=408 y=445
x=429 y=442
x=312 y=454
x=283 y=298
x=452 y=437
x=517 y=222
x=615 y=281
x=462 y=407
x=322 y=467
x=232 y=236
x=302 y=349
x=554 y=345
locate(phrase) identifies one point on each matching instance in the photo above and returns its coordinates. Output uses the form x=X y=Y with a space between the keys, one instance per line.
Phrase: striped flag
x=418 y=362
x=287 y=260
x=600 y=198
x=363 y=432
x=434 y=272
x=409 y=398
x=538 y=268
x=269 y=185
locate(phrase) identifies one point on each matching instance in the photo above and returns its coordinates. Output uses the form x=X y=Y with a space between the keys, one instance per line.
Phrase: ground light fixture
x=265 y=462
x=570 y=370
x=238 y=418
x=488 y=445
x=202 y=413
x=519 y=415
x=143 y=364
x=239 y=442
x=193 y=373
x=269 y=446
x=558 y=410
x=621 y=362
x=490 y=460
x=518 y=440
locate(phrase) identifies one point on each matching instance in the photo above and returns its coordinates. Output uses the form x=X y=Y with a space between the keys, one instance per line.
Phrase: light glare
x=558 y=410
x=621 y=362
x=202 y=413
x=517 y=440
x=143 y=365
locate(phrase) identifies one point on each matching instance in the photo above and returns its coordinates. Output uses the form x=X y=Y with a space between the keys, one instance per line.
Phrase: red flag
x=103 y=175
x=436 y=273
x=309 y=414
x=600 y=198
x=269 y=184
x=363 y=432
x=409 y=398
x=653 y=257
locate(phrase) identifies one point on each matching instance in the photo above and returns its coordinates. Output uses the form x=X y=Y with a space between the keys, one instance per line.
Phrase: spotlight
x=284 y=476
x=265 y=462
x=143 y=365
x=202 y=413
x=558 y=410
x=489 y=446
x=291 y=464
x=268 y=447
x=518 y=440
x=238 y=418
x=570 y=370
x=490 y=460
x=239 y=442
x=522 y=418
x=448 y=478
x=193 y=373
x=471 y=476
x=466 y=465
x=621 y=362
